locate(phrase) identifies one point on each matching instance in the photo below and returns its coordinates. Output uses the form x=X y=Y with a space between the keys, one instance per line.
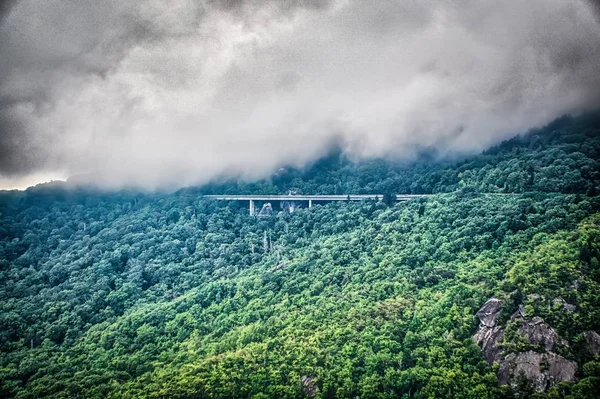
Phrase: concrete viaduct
x=309 y=198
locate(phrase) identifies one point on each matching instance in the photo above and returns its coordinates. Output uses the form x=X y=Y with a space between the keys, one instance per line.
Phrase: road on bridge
x=309 y=198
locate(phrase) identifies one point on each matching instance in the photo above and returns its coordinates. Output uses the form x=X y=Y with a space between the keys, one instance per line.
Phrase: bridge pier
x=295 y=198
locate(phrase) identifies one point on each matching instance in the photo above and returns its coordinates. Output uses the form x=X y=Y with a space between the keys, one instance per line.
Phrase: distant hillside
x=488 y=289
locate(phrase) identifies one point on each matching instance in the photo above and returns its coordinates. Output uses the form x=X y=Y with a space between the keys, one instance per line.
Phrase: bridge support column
x=251 y=207
x=309 y=203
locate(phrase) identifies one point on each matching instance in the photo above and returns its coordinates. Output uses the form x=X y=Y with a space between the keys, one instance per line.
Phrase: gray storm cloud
x=165 y=94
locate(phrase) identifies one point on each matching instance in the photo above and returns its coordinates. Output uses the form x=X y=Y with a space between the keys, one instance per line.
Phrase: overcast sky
x=155 y=93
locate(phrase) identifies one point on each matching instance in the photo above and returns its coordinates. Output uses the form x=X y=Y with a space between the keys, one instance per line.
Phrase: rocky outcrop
x=537 y=332
x=489 y=312
x=567 y=307
x=544 y=368
x=288 y=206
x=279 y=266
x=489 y=335
x=266 y=210
x=592 y=340
x=309 y=386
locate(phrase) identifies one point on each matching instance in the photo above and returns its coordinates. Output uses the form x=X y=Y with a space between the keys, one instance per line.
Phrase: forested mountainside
x=489 y=288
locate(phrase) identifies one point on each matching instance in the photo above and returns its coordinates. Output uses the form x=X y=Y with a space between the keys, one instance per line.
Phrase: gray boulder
x=543 y=370
x=489 y=312
x=309 y=386
x=489 y=338
x=266 y=210
x=538 y=332
x=489 y=334
x=593 y=342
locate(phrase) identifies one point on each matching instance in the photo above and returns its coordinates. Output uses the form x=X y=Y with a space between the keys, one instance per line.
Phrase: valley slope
x=129 y=295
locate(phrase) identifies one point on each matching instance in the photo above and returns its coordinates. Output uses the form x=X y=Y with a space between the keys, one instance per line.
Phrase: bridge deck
x=343 y=197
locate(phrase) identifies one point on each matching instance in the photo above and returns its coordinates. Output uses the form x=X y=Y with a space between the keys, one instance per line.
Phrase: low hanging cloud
x=155 y=94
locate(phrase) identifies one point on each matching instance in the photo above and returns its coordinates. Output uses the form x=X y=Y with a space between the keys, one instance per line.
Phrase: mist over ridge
x=152 y=95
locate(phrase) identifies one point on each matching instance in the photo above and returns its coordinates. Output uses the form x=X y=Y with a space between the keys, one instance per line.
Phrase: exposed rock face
x=538 y=332
x=279 y=266
x=288 y=206
x=489 y=334
x=543 y=369
x=488 y=314
x=266 y=210
x=489 y=338
x=575 y=285
x=309 y=386
x=593 y=342
x=567 y=307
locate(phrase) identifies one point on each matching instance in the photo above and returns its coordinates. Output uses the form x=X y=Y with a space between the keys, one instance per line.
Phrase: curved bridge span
x=309 y=198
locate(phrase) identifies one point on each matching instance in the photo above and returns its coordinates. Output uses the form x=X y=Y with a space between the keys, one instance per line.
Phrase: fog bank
x=155 y=94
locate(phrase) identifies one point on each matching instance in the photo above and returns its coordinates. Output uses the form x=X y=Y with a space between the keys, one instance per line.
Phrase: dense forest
x=169 y=295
